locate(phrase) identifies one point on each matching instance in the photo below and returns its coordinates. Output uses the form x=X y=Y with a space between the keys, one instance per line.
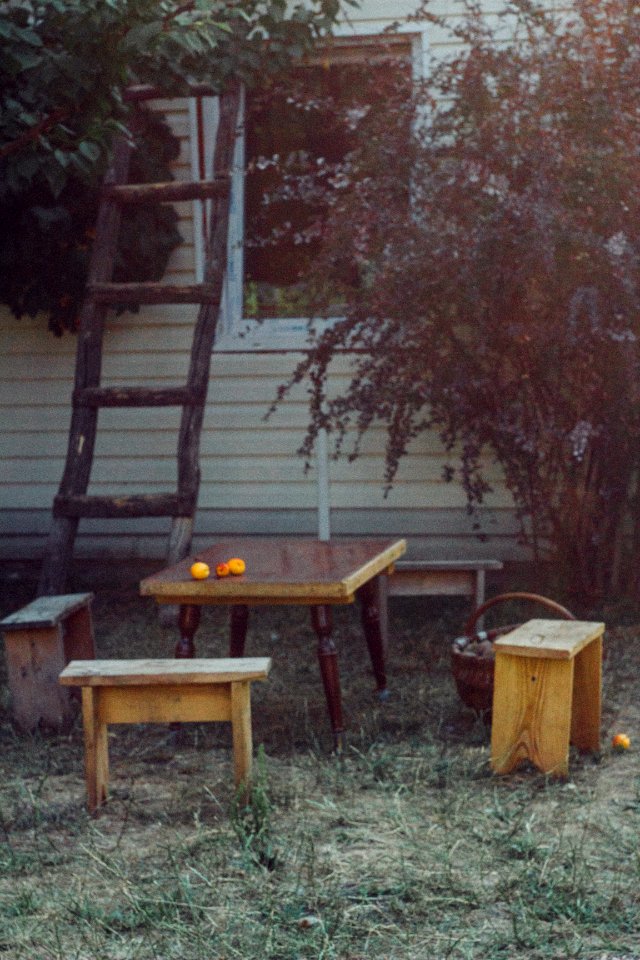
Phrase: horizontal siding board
x=398 y=522
x=244 y=494
x=435 y=534
x=220 y=440
x=365 y=471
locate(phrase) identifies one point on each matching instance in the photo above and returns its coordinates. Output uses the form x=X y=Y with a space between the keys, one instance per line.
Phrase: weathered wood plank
x=171 y=192
x=164 y=672
x=141 y=505
x=84 y=420
x=135 y=396
x=123 y=293
x=46 y=611
x=550 y=639
x=138 y=93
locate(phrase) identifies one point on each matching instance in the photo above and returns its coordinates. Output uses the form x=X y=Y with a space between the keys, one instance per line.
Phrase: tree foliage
x=64 y=68
x=495 y=228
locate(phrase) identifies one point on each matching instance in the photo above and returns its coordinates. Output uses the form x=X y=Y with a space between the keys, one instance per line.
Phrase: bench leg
x=96 y=750
x=241 y=730
x=531 y=715
x=587 y=697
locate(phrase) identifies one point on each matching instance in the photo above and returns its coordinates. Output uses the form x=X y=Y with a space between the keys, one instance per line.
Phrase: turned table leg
x=238 y=620
x=188 y=622
x=372 y=596
x=322 y=621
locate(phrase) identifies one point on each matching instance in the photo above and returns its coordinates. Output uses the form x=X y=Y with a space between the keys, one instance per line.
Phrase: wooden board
x=96 y=673
x=179 y=703
x=45 y=611
x=550 y=639
x=280 y=570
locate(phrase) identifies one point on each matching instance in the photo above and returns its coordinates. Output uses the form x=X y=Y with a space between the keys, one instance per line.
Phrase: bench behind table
x=162 y=691
x=39 y=640
x=465 y=578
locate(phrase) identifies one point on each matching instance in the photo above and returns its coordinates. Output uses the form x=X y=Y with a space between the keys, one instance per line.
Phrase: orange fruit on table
x=222 y=570
x=236 y=565
x=199 y=570
x=621 y=742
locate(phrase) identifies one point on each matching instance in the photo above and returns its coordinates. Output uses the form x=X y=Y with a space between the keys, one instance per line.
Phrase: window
x=290 y=157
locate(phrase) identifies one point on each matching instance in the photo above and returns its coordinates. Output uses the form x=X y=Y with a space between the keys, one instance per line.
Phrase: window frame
x=235 y=332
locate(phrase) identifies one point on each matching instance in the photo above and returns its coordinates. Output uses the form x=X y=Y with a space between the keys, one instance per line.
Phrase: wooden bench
x=39 y=640
x=162 y=691
x=465 y=578
x=547 y=694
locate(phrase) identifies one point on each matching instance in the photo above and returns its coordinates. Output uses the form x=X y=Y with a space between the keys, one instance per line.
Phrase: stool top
x=46 y=611
x=549 y=639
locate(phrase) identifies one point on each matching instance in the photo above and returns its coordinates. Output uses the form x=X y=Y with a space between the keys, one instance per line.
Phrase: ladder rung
x=143 y=91
x=173 y=191
x=125 y=293
x=135 y=505
x=135 y=397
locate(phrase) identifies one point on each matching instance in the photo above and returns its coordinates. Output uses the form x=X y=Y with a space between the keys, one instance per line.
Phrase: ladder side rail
x=84 y=419
x=205 y=331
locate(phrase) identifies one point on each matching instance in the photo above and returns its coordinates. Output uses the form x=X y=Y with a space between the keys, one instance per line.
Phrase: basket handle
x=533 y=597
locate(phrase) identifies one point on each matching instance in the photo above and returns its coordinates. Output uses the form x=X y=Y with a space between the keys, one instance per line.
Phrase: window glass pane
x=299 y=134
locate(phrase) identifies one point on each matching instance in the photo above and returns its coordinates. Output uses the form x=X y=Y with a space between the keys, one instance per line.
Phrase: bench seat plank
x=46 y=611
x=448 y=565
x=549 y=639
x=106 y=673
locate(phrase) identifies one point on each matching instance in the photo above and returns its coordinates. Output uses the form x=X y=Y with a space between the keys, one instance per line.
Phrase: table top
x=281 y=570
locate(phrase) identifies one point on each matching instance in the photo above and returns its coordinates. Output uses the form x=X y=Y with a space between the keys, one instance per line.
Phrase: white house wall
x=252 y=479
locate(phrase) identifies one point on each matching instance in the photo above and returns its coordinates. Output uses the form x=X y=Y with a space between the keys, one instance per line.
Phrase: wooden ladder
x=72 y=502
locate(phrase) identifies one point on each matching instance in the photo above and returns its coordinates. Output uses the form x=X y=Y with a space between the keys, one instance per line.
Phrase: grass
x=406 y=847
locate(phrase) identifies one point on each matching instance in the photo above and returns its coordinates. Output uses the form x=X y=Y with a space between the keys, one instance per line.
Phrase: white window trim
x=236 y=333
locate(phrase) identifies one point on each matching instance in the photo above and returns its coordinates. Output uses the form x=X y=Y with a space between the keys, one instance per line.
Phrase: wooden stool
x=39 y=640
x=547 y=693
x=162 y=691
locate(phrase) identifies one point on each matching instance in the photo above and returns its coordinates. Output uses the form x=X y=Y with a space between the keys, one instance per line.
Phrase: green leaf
x=90 y=150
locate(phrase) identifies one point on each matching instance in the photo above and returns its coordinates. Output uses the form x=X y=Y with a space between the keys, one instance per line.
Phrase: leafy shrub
x=496 y=240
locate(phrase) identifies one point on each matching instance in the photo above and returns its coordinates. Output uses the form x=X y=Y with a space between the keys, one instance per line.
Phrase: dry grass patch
x=404 y=848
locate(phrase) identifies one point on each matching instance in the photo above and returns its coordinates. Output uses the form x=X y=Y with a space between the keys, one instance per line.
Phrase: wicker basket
x=472 y=655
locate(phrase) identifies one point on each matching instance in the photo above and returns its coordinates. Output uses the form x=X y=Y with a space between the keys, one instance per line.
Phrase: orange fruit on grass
x=621 y=742
x=222 y=570
x=199 y=570
x=236 y=565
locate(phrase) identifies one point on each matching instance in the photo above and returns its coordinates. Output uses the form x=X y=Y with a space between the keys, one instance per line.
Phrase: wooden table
x=288 y=571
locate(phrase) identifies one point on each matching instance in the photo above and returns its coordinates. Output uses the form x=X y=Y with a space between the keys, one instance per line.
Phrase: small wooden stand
x=39 y=640
x=162 y=691
x=547 y=694
x=464 y=578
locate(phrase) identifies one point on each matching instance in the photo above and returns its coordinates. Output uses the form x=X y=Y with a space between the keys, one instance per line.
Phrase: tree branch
x=34 y=132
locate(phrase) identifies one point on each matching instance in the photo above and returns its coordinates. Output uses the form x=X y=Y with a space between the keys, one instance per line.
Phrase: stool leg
x=587 y=696
x=96 y=750
x=241 y=730
x=531 y=716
